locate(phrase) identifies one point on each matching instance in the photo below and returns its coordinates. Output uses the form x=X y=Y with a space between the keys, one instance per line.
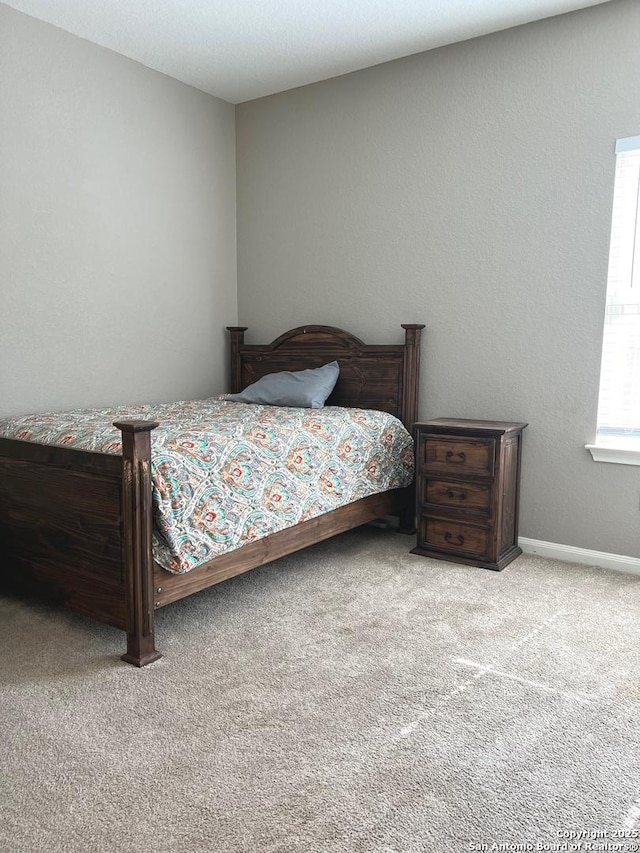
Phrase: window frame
x=606 y=448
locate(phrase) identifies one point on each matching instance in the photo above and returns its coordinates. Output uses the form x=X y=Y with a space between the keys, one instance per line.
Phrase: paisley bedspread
x=226 y=473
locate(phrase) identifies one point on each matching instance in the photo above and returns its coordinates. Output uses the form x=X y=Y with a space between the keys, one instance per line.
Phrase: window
x=619 y=400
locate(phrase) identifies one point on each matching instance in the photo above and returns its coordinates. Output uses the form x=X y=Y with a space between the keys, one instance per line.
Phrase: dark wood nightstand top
x=452 y=425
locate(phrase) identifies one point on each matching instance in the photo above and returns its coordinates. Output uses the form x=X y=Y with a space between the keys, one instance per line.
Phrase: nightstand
x=467 y=491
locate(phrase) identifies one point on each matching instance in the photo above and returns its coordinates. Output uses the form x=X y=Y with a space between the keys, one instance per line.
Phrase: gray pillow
x=304 y=388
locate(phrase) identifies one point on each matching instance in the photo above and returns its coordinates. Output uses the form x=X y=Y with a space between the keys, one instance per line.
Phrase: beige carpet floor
x=348 y=699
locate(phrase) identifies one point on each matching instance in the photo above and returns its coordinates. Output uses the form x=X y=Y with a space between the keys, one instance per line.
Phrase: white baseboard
x=580 y=555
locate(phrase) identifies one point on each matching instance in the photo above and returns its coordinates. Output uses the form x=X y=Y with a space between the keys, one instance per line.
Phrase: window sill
x=618 y=455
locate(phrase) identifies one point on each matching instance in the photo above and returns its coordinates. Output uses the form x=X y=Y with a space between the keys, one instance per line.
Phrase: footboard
x=76 y=526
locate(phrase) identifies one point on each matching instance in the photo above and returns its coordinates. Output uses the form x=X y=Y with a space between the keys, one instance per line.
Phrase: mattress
x=227 y=473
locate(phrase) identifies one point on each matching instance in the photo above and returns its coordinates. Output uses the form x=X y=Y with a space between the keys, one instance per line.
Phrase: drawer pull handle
x=450 y=457
x=448 y=537
x=461 y=496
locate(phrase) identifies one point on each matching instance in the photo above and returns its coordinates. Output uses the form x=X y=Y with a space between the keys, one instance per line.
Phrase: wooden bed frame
x=76 y=526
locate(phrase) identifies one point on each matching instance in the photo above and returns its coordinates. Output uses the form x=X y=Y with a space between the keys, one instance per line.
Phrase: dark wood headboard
x=372 y=376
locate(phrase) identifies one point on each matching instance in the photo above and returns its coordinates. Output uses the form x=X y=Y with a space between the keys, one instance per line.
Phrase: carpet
x=352 y=698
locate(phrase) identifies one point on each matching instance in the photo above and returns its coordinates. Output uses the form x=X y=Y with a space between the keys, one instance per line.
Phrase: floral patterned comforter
x=226 y=473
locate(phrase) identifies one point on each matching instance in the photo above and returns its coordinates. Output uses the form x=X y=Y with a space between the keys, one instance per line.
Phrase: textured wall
x=117 y=227
x=468 y=188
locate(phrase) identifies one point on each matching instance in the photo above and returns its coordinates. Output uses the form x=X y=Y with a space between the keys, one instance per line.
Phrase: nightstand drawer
x=454 y=537
x=471 y=496
x=459 y=455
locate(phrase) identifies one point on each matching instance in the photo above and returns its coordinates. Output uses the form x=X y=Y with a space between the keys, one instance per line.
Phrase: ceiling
x=244 y=49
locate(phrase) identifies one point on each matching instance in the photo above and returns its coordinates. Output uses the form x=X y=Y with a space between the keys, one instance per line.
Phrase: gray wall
x=468 y=188
x=117 y=227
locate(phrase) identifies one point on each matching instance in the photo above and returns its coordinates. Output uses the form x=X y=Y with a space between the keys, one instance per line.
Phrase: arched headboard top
x=307 y=335
x=372 y=376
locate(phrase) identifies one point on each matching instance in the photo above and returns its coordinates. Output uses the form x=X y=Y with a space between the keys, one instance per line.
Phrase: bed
x=77 y=526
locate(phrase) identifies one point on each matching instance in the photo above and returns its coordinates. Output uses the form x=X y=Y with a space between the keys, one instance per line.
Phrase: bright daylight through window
x=619 y=400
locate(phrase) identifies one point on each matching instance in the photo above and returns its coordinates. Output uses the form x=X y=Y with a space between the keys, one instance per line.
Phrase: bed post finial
x=137 y=526
x=237 y=339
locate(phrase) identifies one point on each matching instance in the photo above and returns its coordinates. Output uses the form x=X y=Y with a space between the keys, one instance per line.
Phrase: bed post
x=409 y=411
x=411 y=373
x=137 y=524
x=237 y=339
